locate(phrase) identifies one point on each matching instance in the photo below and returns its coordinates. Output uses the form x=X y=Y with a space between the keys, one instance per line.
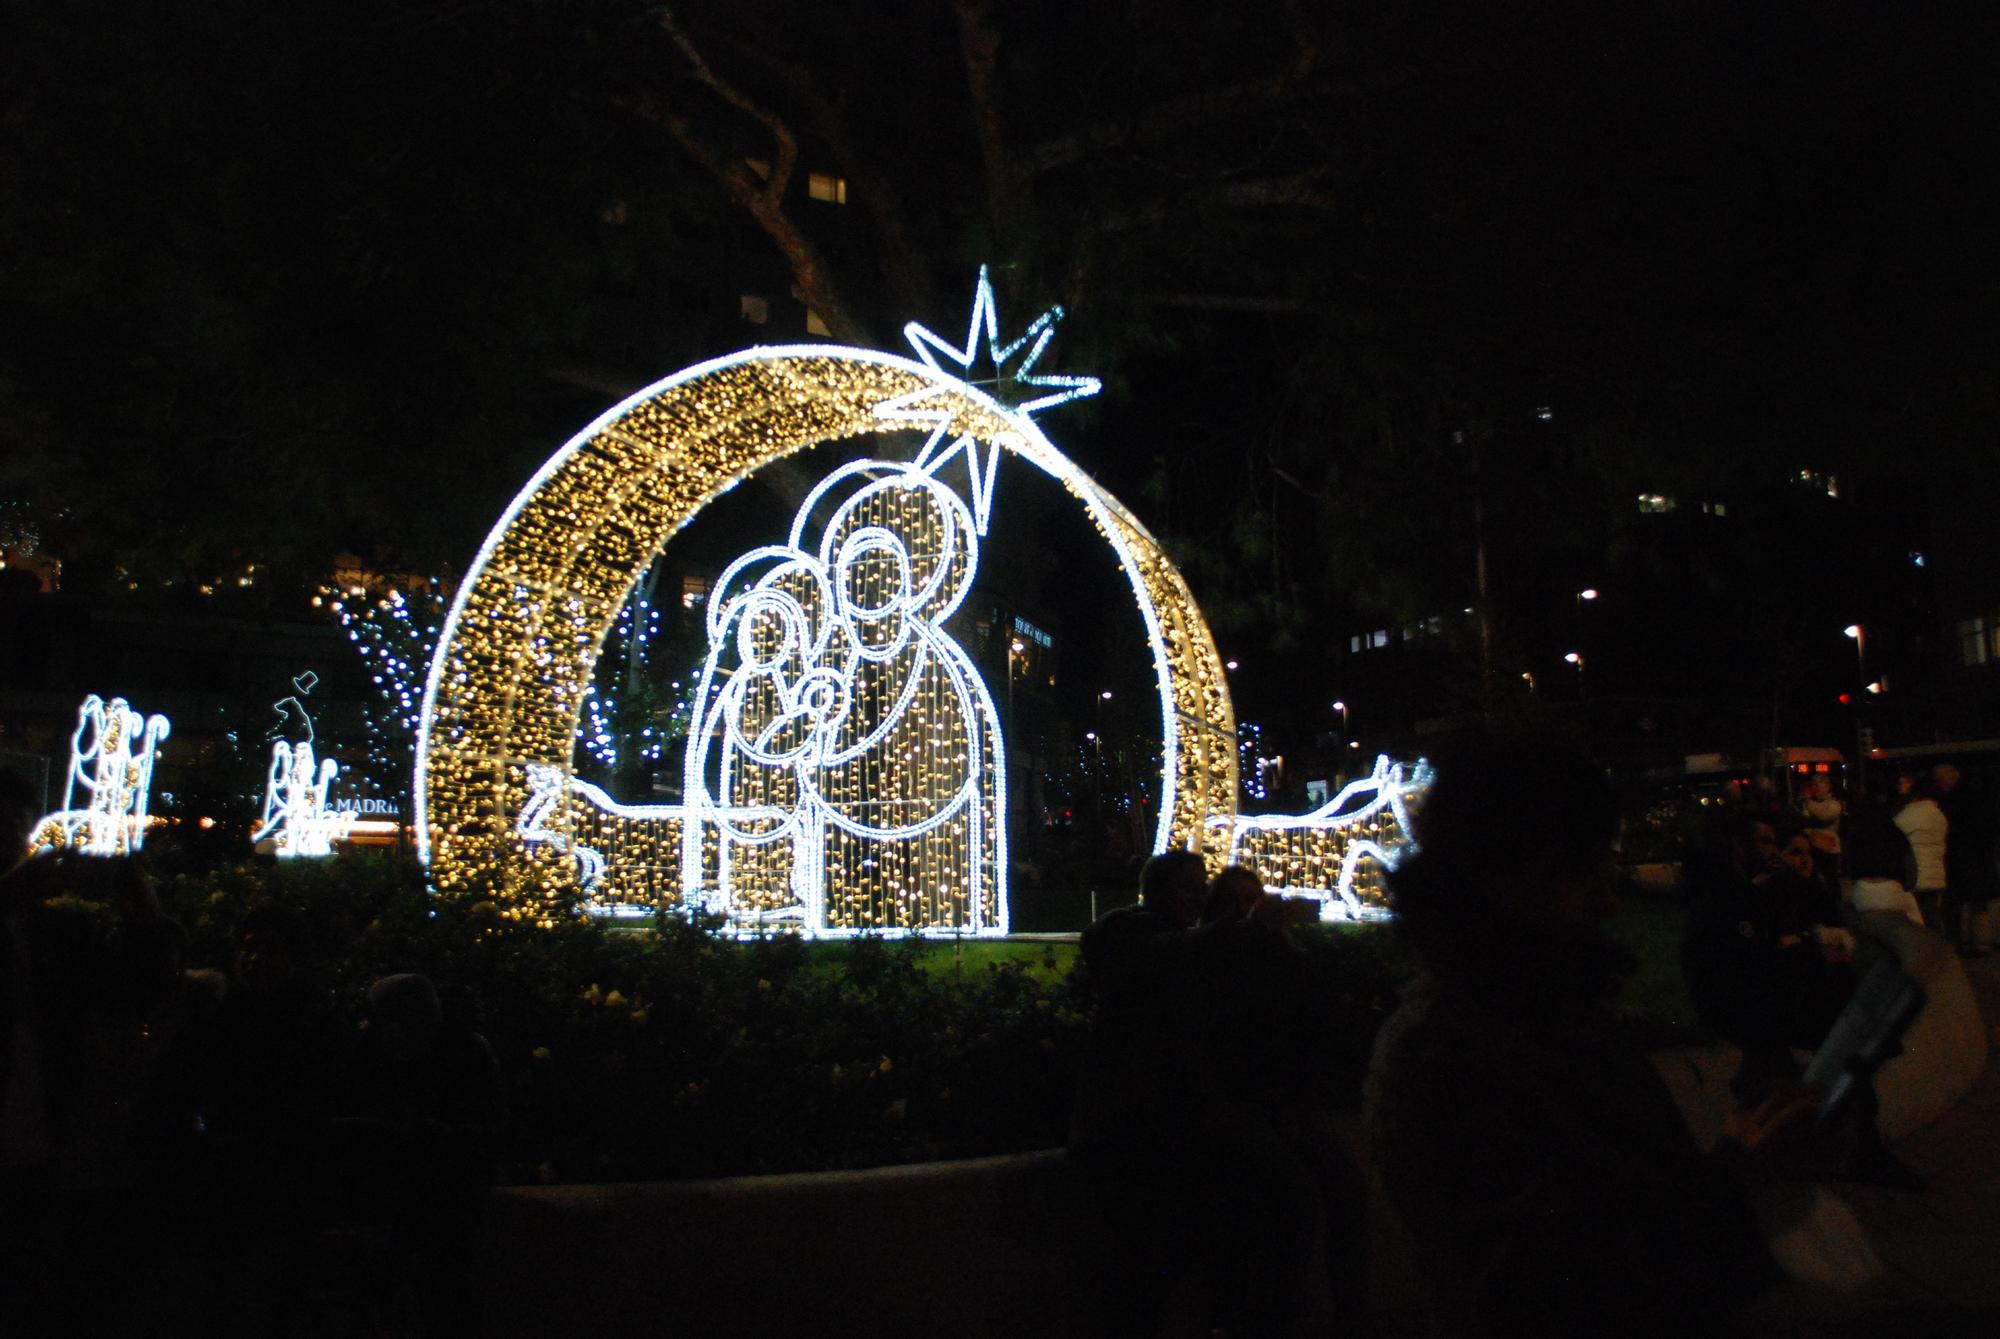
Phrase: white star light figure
x=1035 y=339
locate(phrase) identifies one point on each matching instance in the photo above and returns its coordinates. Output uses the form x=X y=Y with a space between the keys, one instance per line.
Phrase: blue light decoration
x=1253 y=769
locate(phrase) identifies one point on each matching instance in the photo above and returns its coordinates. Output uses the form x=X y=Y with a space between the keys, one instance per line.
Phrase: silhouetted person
x=1231 y=895
x=1545 y=1178
x=256 y=1084
x=1877 y=858
x=1180 y=1136
x=1765 y=962
x=1971 y=878
x=1924 y=825
x=54 y=963
x=420 y=1141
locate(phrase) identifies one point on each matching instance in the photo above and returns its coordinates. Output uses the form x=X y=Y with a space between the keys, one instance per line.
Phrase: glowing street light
x=1587 y=593
x=1229 y=664
x=1576 y=658
x=1860 y=636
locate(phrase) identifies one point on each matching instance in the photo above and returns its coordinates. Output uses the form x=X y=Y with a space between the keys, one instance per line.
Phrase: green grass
x=1655 y=997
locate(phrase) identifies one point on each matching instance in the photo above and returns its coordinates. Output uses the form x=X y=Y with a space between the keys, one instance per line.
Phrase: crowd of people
x=1543 y=1177
x=1929 y=848
x=224 y=1142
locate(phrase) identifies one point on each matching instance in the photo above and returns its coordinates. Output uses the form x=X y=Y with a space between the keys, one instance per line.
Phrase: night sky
x=284 y=282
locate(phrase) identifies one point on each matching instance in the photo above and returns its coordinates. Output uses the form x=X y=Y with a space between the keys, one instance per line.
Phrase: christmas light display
x=844 y=744
x=1255 y=769
x=1339 y=851
x=111 y=769
x=498 y=806
x=296 y=820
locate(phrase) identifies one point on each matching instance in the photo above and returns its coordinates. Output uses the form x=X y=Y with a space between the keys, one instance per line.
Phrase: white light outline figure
x=824 y=694
x=295 y=819
x=117 y=778
x=1180 y=689
x=1391 y=786
x=1032 y=446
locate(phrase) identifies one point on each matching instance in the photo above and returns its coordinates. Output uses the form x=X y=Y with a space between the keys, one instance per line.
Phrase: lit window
x=1654 y=504
x=694 y=592
x=1379 y=637
x=815 y=326
x=755 y=307
x=825 y=186
x=1354 y=645
x=1714 y=509
x=1972 y=648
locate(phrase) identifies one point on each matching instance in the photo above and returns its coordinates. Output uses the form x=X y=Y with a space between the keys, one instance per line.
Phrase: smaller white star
x=928 y=345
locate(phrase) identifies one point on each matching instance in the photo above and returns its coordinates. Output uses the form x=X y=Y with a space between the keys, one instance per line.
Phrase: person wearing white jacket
x=1924 y=826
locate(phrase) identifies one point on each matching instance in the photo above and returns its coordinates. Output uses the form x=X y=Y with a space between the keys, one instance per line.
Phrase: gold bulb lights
x=499 y=806
x=1339 y=852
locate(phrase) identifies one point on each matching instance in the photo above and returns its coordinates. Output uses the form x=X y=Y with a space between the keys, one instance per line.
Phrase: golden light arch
x=519 y=646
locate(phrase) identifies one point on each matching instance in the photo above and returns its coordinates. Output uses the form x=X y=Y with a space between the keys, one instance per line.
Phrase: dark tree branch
x=762 y=198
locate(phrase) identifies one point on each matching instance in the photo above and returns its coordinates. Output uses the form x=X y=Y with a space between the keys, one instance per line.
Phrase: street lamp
x=1341 y=707
x=1229 y=664
x=1587 y=593
x=1860 y=636
x=1576 y=658
x=1014 y=650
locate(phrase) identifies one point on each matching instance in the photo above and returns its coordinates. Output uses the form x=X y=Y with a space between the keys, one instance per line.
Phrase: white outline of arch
x=1026 y=441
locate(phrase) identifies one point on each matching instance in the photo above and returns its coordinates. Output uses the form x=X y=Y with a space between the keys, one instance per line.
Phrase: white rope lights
x=111 y=771
x=499 y=810
x=1338 y=852
x=295 y=820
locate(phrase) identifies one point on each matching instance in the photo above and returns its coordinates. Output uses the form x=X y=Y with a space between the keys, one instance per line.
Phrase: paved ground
x=1943 y=1245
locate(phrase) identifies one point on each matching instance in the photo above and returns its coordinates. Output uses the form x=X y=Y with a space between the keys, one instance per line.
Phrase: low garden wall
x=977 y=1247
